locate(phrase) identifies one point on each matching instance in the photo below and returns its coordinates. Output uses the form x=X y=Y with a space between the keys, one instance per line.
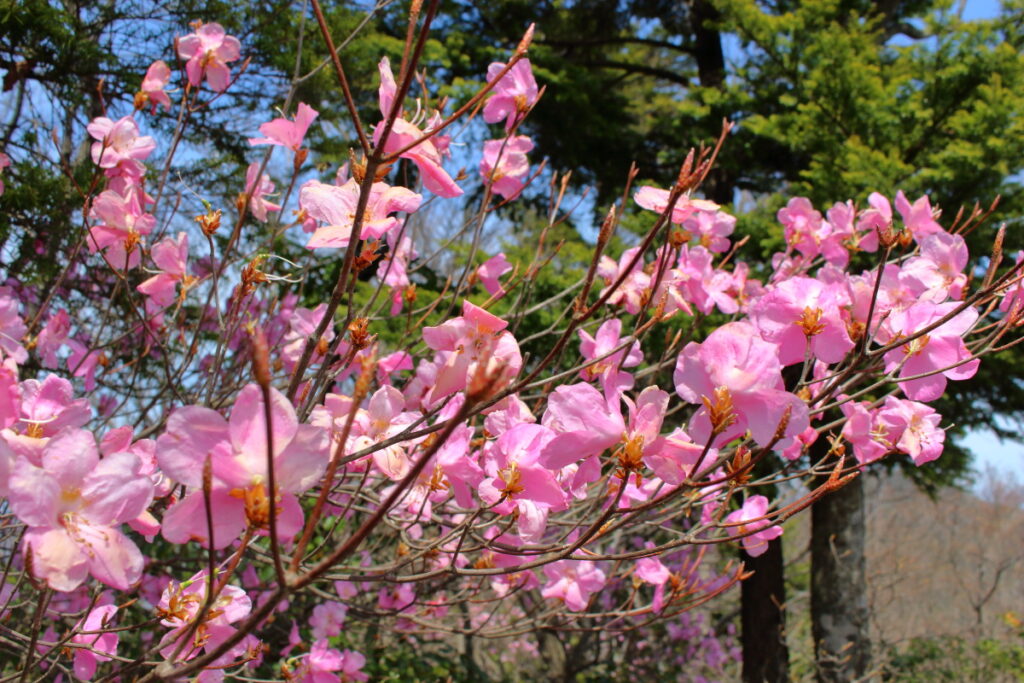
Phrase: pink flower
x=518 y=483
x=573 y=582
x=651 y=570
x=287 y=133
x=101 y=644
x=696 y=281
x=636 y=285
x=180 y=605
x=492 y=269
x=673 y=456
x=46 y=408
x=52 y=337
x=12 y=327
x=504 y=165
x=657 y=200
x=462 y=343
x=918 y=217
x=837 y=233
x=711 y=228
x=238 y=455
x=756 y=531
x=393 y=269
x=803 y=226
x=328 y=619
x=738 y=374
x=322 y=660
x=913 y=429
x=302 y=324
x=208 y=52
x=171 y=256
x=122 y=225
x=120 y=146
x=878 y=217
x=514 y=94
x=937 y=274
x=426 y=154
x=611 y=369
x=158 y=75
x=584 y=420
x=336 y=206
x=382 y=418
x=941 y=352
x=257 y=189
x=1014 y=294
x=74 y=505
x=10 y=397
x=82 y=363
x=352 y=664
x=865 y=432
x=801 y=314
x=399 y=597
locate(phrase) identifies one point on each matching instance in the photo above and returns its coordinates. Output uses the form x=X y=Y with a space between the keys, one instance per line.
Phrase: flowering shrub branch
x=280 y=473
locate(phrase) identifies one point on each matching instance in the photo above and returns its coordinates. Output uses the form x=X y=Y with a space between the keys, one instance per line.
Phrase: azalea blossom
x=302 y=323
x=750 y=523
x=801 y=315
x=208 y=51
x=100 y=644
x=393 y=269
x=171 y=256
x=657 y=200
x=237 y=449
x=181 y=604
x=158 y=75
x=919 y=218
x=426 y=154
x=336 y=206
x=492 y=269
x=320 y=665
x=504 y=165
x=513 y=95
x=938 y=273
x=518 y=482
x=611 y=368
x=464 y=342
x=121 y=225
x=913 y=428
x=74 y=504
x=46 y=407
x=52 y=337
x=711 y=229
x=737 y=376
x=287 y=133
x=119 y=147
x=256 y=188
x=573 y=582
x=12 y=327
x=940 y=354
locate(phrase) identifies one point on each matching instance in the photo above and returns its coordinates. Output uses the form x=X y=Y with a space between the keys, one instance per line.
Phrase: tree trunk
x=707 y=44
x=710 y=58
x=839 y=605
x=763 y=618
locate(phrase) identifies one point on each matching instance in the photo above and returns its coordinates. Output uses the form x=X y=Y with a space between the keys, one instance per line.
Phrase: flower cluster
x=455 y=471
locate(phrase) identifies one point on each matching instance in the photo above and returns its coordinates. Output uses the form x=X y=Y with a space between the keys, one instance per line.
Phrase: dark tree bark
x=839 y=606
x=763 y=617
x=710 y=58
x=707 y=44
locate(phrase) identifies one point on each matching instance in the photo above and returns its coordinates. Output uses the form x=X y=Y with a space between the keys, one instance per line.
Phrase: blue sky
x=981 y=9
